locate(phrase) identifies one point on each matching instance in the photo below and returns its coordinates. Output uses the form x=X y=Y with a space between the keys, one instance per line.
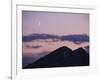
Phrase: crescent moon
x=39 y=23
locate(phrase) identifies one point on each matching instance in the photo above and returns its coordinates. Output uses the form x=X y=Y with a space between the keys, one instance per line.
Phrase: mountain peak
x=62 y=51
x=80 y=50
x=64 y=48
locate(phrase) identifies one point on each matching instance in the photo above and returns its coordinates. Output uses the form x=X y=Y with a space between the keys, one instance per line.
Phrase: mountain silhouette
x=62 y=57
x=79 y=57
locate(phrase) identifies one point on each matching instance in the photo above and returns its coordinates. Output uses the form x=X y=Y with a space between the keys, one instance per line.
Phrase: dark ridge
x=79 y=50
x=55 y=58
x=81 y=57
x=62 y=57
x=63 y=48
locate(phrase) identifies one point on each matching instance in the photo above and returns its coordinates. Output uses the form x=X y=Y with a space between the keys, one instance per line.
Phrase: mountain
x=80 y=57
x=62 y=57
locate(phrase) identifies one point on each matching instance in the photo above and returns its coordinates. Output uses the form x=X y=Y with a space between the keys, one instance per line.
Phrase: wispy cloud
x=76 y=38
x=38 y=46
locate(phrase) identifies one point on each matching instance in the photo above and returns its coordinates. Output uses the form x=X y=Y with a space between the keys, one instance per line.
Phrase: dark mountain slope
x=81 y=57
x=62 y=57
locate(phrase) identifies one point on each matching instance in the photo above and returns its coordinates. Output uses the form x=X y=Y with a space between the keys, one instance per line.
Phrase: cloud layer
x=76 y=38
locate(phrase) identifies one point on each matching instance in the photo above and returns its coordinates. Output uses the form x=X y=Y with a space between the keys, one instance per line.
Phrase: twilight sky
x=55 y=23
x=73 y=27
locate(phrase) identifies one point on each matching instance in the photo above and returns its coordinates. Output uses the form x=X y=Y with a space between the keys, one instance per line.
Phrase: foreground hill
x=62 y=57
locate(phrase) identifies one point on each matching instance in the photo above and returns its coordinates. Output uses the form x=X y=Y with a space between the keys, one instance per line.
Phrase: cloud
x=39 y=37
x=38 y=46
x=75 y=38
